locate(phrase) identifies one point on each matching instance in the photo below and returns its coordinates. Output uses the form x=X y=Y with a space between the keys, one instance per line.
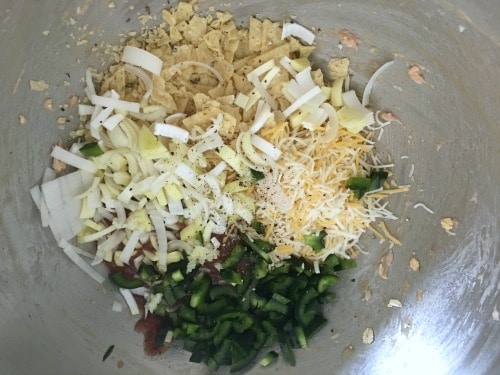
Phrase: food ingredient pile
x=225 y=181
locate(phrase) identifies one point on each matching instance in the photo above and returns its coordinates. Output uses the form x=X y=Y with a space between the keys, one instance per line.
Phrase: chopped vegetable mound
x=224 y=181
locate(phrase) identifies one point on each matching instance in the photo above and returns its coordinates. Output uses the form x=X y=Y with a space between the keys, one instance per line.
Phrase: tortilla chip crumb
x=414 y=264
x=47 y=104
x=448 y=224
x=420 y=294
x=38 y=85
x=368 y=336
x=415 y=74
x=22 y=119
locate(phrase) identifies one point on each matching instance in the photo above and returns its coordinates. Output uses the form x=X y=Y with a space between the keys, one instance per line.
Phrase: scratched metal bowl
x=55 y=320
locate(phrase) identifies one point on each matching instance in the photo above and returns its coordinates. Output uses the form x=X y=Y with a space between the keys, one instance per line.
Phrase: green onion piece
x=91 y=149
x=316 y=241
x=121 y=281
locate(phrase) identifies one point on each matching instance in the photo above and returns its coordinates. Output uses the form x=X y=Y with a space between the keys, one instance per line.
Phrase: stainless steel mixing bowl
x=54 y=320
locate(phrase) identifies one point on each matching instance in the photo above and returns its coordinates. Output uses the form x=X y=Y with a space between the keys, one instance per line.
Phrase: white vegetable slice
x=218 y=169
x=130 y=300
x=286 y=64
x=299 y=31
x=183 y=64
x=63 y=208
x=262 y=114
x=129 y=248
x=90 y=89
x=112 y=122
x=141 y=58
x=248 y=150
x=261 y=89
x=85 y=109
x=141 y=74
x=227 y=154
x=156 y=115
x=161 y=235
x=71 y=253
x=115 y=103
x=261 y=69
x=171 y=131
x=371 y=81
x=266 y=147
x=333 y=123
x=74 y=160
x=174 y=117
x=187 y=174
x=301 y=101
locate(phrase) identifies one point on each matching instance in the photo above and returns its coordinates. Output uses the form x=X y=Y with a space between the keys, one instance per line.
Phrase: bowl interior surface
x=55 y=320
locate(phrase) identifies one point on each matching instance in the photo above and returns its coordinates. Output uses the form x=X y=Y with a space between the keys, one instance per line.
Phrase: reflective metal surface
x=54 y=320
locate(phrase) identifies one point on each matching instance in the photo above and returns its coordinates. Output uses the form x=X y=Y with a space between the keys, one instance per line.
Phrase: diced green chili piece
x=269 y=358
x=222 y=331
x=179 y=291
x=270 y=329
x=260 y=270
x=358 y=185
x=222 y=352
x=234 y=258
x=199 y=353
x=187 y=314
x=301 y=336
x=168 y=295
x=378 y=179
x=202 y=335
x=261 y=247
x=243 y=322
x=240 y=364
x=91 y=149
x=257 y=301
x=273 y=305
x=346 y=264
x=177 y=276
x=316 y=241
x=147 y=273
x=189 y=345
x=260 y=337
x=257 y=175
x=121 y=281
x=331 y=262
x=286 y=348
x=231 y=276
x=303 y=314
x=317 y=322
x=162 y=333
x=326 y=281
x=212 y=308
x=326 y=298
x=200 y=292
x=258 y=227
x=218 y=291
x=280 y=298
